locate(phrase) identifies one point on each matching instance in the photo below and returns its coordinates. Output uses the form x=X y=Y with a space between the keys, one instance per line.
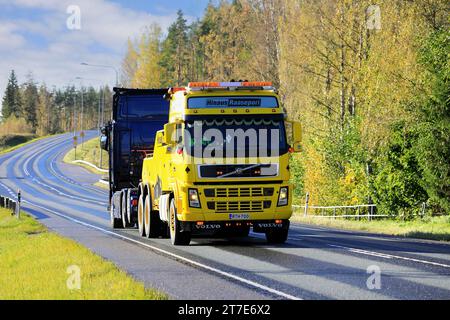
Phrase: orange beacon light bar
x=254 y=84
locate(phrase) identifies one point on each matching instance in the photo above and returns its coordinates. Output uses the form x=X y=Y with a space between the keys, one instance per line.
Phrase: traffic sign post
x=82 y=139
x=75 y=143
x=19 y=199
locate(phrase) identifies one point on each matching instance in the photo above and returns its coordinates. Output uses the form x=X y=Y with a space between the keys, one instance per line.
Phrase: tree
x=30 y=102
x=129 y=64
x=11 y=104
x=398 y=181
x=433 y=144
x=43 y=111
x=148 y=72
x=175 y=57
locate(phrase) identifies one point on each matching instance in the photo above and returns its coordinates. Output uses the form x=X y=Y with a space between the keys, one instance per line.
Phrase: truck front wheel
x=141 y=216
x=277 y=236
x=177 y=237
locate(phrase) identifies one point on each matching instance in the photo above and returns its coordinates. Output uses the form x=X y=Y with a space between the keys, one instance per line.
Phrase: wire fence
x=358 y=212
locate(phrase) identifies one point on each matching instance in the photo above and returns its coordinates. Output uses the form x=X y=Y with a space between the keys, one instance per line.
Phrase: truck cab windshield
x=236 y=137
x=142 y=108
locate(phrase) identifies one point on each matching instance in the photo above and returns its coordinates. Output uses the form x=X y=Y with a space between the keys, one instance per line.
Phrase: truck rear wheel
x=115 y=223
x=177 y=237
x=141 y=216
x=277 y=235
x=125 y=209
x=151 y=219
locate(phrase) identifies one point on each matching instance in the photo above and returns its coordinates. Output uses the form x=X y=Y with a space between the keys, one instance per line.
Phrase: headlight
x=283 y=197
x=194 y=201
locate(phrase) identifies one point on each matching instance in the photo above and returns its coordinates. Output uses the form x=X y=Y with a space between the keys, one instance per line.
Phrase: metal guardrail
x=91 y=165
x=13 y=205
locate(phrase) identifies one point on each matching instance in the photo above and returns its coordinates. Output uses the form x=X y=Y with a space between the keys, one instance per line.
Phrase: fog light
x=194 y=201
x=283 y=197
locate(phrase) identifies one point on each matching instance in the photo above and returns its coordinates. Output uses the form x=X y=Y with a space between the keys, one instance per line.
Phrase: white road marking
x=173 y=255
x=390 y=256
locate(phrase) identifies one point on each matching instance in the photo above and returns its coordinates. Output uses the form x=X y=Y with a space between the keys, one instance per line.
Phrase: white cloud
x=8 y=39
x=56 y=56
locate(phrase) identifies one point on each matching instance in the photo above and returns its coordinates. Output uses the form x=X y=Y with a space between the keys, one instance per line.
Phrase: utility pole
x=74 y=115
x=100 y=120
x=81 y=120
x=98 y=112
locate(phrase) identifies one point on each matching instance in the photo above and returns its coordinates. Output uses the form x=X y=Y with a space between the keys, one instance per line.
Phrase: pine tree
x=11 y=104
x=30 y=102
x=175 y=58
x=43 y=111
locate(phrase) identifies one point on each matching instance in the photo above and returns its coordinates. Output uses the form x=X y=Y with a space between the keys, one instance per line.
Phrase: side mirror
x=104 y=137
x=104 y=142
x=169 y=133
x=297 y=136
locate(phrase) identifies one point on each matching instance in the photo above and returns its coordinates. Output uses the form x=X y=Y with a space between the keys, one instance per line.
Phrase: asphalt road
x=315 y=263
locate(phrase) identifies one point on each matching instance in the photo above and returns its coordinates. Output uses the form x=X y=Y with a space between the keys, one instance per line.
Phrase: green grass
x=90 y=152
x=431 y=228
x=34 y=262
x=10 y=143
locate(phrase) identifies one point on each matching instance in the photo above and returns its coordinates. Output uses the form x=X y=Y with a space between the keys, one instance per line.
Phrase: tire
x=131 y=219
x=277 y=236
x=115 y=223
x=140 y=219
x=125 y=209
x=177 y=237
x=151 y=219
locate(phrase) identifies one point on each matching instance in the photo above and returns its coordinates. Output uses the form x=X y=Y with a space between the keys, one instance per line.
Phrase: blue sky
x=34 y=36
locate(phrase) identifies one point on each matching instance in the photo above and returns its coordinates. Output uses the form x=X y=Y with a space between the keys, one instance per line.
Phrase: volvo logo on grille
x=208 y=226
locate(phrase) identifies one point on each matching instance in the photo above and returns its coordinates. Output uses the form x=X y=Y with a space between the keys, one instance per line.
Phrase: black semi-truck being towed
x=129 y=137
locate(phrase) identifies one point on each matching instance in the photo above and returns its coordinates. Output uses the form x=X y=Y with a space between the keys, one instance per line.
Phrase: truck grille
x=239 y=206
x=238 y=192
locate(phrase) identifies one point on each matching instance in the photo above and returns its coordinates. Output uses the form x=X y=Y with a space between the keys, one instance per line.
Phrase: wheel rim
x=111 y=215
x=140 y=215
x=172 y=220
x=124 y=212
x=147 y=215
x=129 y=207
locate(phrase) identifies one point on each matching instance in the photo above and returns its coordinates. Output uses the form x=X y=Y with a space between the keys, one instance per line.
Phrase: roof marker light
x=249 y=84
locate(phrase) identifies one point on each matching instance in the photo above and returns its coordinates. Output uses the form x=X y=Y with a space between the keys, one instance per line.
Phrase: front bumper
x=225 y=227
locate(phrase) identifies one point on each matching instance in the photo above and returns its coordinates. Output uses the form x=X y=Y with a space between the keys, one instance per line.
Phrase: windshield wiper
x=239 y=170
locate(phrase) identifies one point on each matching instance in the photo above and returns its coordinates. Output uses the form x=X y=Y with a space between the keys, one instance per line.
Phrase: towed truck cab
x=220 y=165
x=129 y=138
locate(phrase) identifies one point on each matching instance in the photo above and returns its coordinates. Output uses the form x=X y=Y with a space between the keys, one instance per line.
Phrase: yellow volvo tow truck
x=220 y=166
